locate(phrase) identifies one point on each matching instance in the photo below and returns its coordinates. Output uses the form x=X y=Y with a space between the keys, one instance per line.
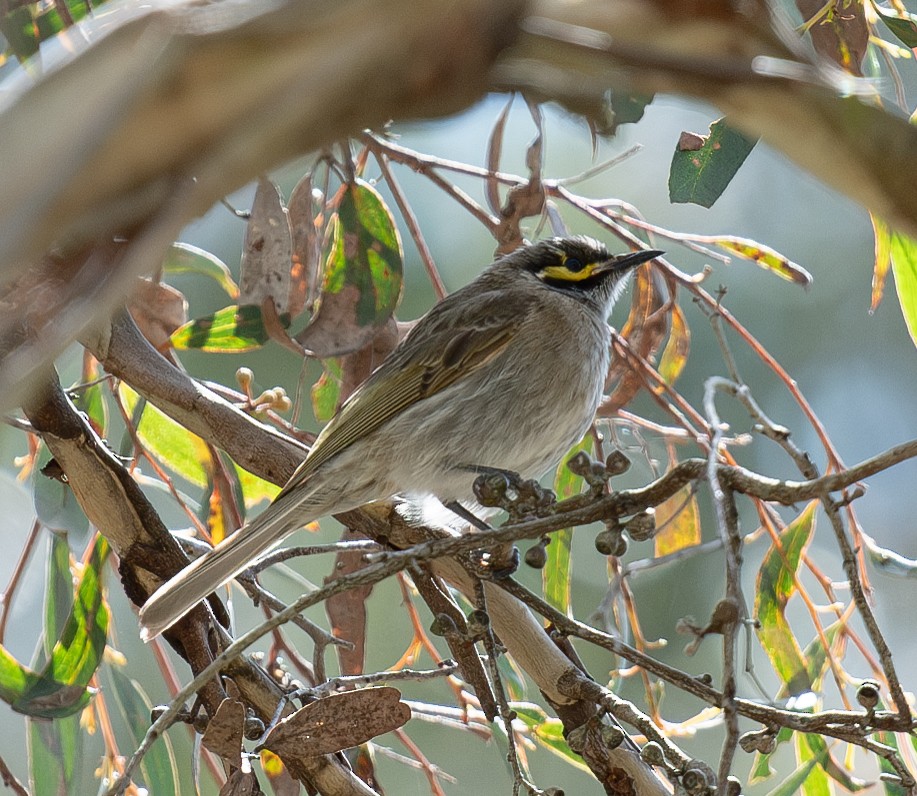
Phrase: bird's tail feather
x=186 y=589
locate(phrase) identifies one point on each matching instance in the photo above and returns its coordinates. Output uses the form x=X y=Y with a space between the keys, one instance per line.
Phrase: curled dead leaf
x=268 y=250
x=644 y=331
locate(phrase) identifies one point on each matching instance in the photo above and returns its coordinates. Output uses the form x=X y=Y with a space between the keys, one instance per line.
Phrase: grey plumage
x=507 y=373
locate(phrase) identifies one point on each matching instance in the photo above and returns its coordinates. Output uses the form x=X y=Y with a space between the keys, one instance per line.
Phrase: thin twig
x=286 y=553
x=849 y=562
x=6 y=597
x=849 y=726
x=432 y=772
x=350 y=682
x=599 y=168
x=407 y=213
x=320 y=637
x=10 y=781
x=781 y=436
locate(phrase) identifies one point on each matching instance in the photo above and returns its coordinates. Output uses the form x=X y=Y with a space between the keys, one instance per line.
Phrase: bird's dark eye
x=574 y=265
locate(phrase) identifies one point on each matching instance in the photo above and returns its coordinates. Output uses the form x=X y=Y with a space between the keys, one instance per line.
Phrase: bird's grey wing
x=452 y=341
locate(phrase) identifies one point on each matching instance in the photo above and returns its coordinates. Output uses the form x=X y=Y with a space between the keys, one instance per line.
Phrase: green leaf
x=26 y=27
x=677 y=523
x=904 y=267
x=904 y=26
x=171 y=443
x=58 y=595
x=19 y=30
x=703 y=166
x=183 y=258
x=61 y=687
x=55 y=504
x=883 y=260
x=56 y=757
x=158 y=766
x=326 y=392
x=889 y=739
x=255 y=489
x=548 y=731
x=817 y=783
x=622 y=107
x=363 y=275
x=761 y=768
x=816 y=657
x=91 y=401
x=819 y=751
x=15 y=679
x=512 y=676
x=774 y=588
x=78 y=651
x=791 y=785
x=366 y=254
x=557 y=571
x=231 y=330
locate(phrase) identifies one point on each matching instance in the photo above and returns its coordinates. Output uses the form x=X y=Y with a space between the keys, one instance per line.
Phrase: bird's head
x=578 y=266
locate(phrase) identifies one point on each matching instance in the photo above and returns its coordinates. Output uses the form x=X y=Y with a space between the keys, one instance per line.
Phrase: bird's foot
x=460 y=511
x=495 y=563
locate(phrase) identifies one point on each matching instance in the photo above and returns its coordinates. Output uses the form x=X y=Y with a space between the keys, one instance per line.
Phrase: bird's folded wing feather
x=439 y=351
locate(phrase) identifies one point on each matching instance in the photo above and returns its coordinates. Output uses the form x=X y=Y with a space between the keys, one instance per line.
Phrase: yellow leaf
x=675 y=353
x=678 y=523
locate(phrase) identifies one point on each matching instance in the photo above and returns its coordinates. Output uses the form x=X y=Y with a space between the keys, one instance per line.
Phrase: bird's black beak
x=623 y=263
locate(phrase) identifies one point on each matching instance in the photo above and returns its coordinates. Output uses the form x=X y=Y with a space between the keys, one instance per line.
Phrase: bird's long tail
x=186 y=589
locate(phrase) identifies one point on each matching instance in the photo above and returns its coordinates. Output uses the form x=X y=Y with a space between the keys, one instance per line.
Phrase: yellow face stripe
x=563 y=273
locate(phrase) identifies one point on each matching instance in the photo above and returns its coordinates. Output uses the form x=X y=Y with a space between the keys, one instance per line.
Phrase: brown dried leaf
x=644 y=331
x=690 y=142
x=533 y=154
x=347 y=610
x=242 y=783
x=339 y=722
x=158 y=310
x=356 y=367
x=268 y=251
x=522 y=201
x=494 y=148
x=304 y=275
x=225 y=732
x=841 y=35
x=275 y=327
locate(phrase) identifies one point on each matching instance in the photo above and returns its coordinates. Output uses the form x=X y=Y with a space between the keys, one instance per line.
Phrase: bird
x=504 y=374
